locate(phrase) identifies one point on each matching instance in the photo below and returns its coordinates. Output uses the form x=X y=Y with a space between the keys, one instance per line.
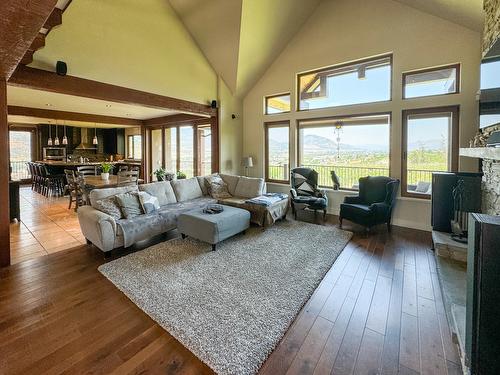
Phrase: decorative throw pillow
x=149 y=203
x=109 y=206
x=129 y=205
x=217 y=188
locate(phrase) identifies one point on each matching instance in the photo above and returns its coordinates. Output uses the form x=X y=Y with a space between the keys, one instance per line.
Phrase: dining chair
x=75 y=192
x=87 y=170
x=126 y=178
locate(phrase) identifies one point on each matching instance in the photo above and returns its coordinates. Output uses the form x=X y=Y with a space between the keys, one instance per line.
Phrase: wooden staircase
x=55 y=19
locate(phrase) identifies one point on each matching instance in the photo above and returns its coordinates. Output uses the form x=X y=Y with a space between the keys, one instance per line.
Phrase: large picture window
x=433 y=81
x=352 y=147
x=364 y=81
x=277 y=151
x=134 y=146
x=430 y=144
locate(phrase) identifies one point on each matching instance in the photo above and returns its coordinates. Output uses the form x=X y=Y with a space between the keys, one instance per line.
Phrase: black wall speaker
x=61 y=68
x=213 y=104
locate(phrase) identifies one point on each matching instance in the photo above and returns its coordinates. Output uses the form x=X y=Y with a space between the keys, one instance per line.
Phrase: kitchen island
x=58 y=167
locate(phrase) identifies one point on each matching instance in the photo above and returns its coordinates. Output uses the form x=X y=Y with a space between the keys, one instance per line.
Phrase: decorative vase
x=105 y=176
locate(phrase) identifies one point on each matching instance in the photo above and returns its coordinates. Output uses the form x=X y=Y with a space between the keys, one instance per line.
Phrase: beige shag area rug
x=232 y=306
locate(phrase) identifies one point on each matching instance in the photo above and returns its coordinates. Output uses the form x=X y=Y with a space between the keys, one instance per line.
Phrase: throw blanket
x=267 y=199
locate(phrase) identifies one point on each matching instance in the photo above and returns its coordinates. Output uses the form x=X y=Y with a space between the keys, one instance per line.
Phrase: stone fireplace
x=491 y=187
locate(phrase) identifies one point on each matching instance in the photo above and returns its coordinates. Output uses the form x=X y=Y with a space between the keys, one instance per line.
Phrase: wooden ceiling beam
x=21 y=23
x=172 y=119
x=71 y=116
x=38 y=79
x=55 y=19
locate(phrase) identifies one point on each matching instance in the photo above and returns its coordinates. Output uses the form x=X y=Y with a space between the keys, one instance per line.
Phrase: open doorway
x=21 y=151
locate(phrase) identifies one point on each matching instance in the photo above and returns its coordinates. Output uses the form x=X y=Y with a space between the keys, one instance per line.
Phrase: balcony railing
x=19 y=170
x=348 y=176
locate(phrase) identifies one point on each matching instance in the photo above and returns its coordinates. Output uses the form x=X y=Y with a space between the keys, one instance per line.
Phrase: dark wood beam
x=48 y=81
x=21 y=23
x=173 y=119
x=71 y=116
x=4 y=178
x=55 y=19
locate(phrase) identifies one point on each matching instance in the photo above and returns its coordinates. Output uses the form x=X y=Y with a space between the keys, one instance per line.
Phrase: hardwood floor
x=47 y=226
x=377 y=311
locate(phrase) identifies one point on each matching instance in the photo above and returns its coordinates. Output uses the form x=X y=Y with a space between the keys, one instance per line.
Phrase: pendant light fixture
x=65 y=139
x=94 y=141
x=56 y=139
x=49 y=141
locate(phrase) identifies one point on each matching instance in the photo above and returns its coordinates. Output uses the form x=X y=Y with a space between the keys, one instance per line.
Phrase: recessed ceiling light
x=48 y=105
x=128 y=114
x=108 y=105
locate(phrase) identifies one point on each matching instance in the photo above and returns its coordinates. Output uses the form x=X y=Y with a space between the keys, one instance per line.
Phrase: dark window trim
x=267 y=97
x=267 y=126
x=130 y=150
x=387 y=113
x=454 y=133
x=457 y=66
x=339 y=66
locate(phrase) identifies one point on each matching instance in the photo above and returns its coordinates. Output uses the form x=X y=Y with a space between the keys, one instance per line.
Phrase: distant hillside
x=325 y=145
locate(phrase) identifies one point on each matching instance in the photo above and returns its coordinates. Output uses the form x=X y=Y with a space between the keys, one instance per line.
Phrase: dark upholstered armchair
x=374 y=204
x=305 y=193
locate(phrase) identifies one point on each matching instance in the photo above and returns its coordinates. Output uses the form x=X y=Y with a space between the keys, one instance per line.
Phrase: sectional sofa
x=109 y=232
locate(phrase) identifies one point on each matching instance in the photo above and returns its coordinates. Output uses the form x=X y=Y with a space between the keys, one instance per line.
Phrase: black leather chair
x=373 y=205
x=305 y=193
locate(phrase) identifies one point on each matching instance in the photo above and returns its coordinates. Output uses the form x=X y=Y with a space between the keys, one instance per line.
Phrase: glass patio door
x=21 y=152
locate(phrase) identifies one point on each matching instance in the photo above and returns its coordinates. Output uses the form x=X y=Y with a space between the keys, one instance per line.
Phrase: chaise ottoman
x=213 y=228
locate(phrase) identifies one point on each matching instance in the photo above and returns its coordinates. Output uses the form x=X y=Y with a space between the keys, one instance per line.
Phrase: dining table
x=97 y=182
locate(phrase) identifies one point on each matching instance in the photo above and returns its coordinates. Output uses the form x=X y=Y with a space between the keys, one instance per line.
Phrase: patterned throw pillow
x=217 y=188
x=109 y=206
x=129 y=205
x=148 y=202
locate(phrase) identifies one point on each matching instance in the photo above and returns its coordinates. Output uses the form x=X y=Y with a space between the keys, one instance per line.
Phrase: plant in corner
x=181 y=175
x=106 y=167
x=160 y=174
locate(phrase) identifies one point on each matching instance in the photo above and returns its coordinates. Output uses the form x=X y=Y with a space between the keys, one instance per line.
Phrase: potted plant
x=169 y=176
x=106 y=167
x=181 y=175
x=160 y=174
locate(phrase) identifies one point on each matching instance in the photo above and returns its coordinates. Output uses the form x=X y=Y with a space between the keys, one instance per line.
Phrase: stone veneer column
x=491 y=187
x=491 y=23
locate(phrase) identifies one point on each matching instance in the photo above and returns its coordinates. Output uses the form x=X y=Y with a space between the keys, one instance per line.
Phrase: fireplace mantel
x=491 y=153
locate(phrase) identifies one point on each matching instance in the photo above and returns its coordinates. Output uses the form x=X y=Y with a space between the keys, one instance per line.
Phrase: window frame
x=267 y=126
x=340 y=66
x=457 y=66
x=130 y=150
x=267 y=97
x=333 y=118
x=454 y=150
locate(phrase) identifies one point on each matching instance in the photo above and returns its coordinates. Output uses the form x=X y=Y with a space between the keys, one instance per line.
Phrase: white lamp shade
x=247 y=162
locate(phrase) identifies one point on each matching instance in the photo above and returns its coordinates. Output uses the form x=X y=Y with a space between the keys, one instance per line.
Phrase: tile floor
x=46 y=226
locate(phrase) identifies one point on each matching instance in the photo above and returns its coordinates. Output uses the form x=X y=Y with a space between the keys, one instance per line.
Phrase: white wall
x=344 y=30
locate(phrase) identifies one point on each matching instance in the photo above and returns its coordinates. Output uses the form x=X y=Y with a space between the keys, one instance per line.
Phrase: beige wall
x=345 y=30
x=231 y=130
x=141 y=45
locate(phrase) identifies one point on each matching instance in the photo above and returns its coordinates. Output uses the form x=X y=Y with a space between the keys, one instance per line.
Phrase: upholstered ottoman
x=213 y=228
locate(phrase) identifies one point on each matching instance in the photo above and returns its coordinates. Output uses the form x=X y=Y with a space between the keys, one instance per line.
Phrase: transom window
x=433 y=81
x=277 y=104
x=352 y=147
x=364 y=81
x=430 y=144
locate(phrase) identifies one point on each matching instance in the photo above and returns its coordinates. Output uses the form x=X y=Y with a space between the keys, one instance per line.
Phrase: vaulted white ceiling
x=468 y=13
x=241 y=38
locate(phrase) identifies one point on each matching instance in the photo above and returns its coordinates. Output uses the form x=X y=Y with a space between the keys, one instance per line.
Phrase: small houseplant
x=181 y=175
x=160 y=174
x=106 y=167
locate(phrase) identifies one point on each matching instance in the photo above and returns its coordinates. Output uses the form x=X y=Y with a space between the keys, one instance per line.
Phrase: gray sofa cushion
x=161 y=190
x=187 y=189
x=149 y=203
x=109 y=206
x=249 y=187
x=231 y=182
x=129 y=204
x=97 y=194
x=217 y=188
